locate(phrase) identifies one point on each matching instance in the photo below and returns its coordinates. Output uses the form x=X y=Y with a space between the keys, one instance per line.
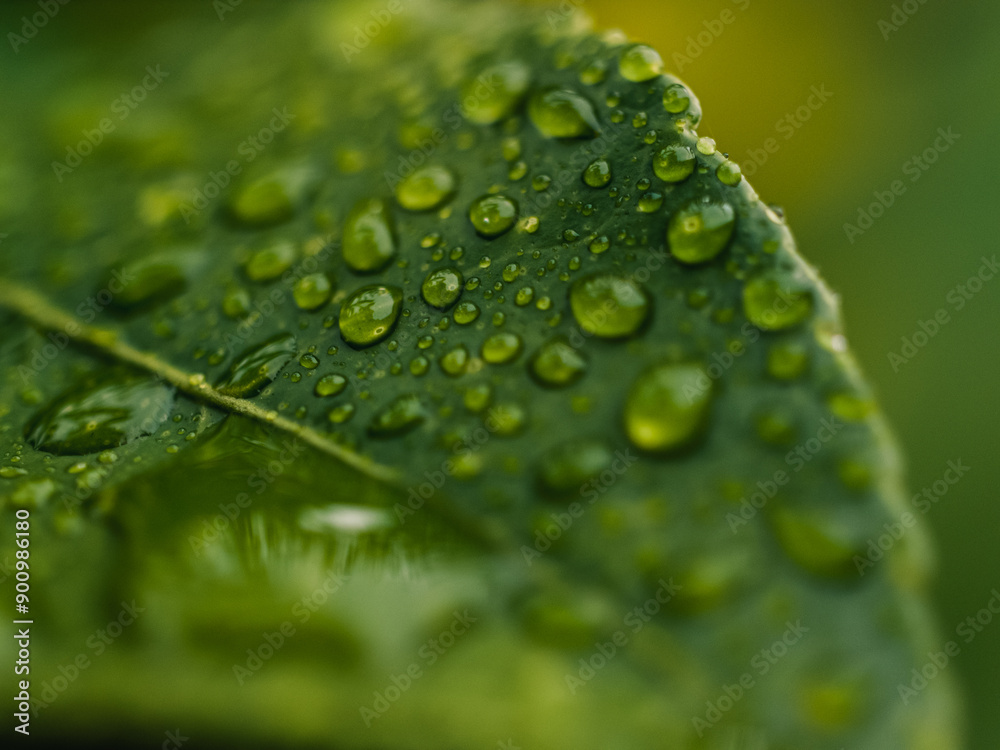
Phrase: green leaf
x=473 y=396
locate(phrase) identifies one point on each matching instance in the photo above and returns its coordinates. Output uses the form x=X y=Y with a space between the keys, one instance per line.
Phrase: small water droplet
x=699 y=231
x=369 y=314
x=609 y=306
x=309 y=361
x=557 y=364
x=456 y=361
x=442 y=288
x=271 y=262
x=342 y=413
x=369 y=241
x=401 y=415
x=257 y=366
x=640 y=62
x=598 y=173
x=774 y=304
x=492 y=215
x=564 y=469
x=729 y=173
x=426 y=188
x=313 y=291
x=501 y=348
x=562 y=113
x=787 y=360
x=706 y=146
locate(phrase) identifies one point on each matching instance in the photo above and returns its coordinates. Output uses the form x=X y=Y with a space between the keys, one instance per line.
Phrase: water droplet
x=100 y=417
x=639 y=63
x=271 y=262
x=557 y=364
x=456 y=361
x=466 y=313
x=330 y=385
x=561 y=113
x=12 y=472
x=667 y=407
x=501 y=348
x=674 y=163
x=776 y=427
x=368 y=243
x=153 y=280
x=236 y=303
x=492 y=215
x=676 y=98
x=369 y=314
x=507 y=419
x=426 y=188
x=496 y=92
x=706 y=146
x=524 y=296
x=851 y=407
x=401 y=415
x=254 y=368
x=541 y=182
x=650 y=203
x=609 y=306
x=639 y=120
x=594 y=73
x=271 y=198
x=598 y=173
x=816 y=543
x=772 y=304
x=342 y=413
x=419 y=365
x=699 y=231
x=563 y=470
x=442 y=288
x=309 y=361
x=729 y=173
x=478 y=397
x=787 y=361
x=313 y=291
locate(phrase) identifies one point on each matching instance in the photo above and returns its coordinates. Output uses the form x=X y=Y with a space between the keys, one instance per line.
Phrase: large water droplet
x=598 y=173
x=100 y=418
x=426 y=188
x=561 y=113
x=557 y=364
x=368 y=243
x=492 y=215
x=773 y=304
x=368 y=315
x=254 y=368
x=442 y=288
x=564 y=470
x=667 y=407
x=609 y=306
x=639 y=63
x=401 y=415
x=674 y=163
x=496 y=92
x=699 y=231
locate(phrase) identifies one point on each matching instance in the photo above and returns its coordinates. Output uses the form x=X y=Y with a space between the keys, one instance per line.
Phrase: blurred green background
x=889 y=97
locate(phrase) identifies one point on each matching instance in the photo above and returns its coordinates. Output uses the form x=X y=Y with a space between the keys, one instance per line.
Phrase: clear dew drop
x=313 y=291
x=667 y=407
x=466 y=313
x=608 y=306
x=700 y=231
x=640 y=62
x=773 y=304
x=369 y=242
x=562 y=113
x=330 y=385
x=496 y=92
x=598 y=173
x=501 y=348
x=399 y=416
x=557 y=364
x=100 y=417
x=368 y=315
x=674 y=163
x=257 y=366
x=426 y=188
x=442 y=288
x=269 y=263
x=492 y=215
x=676 y=98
